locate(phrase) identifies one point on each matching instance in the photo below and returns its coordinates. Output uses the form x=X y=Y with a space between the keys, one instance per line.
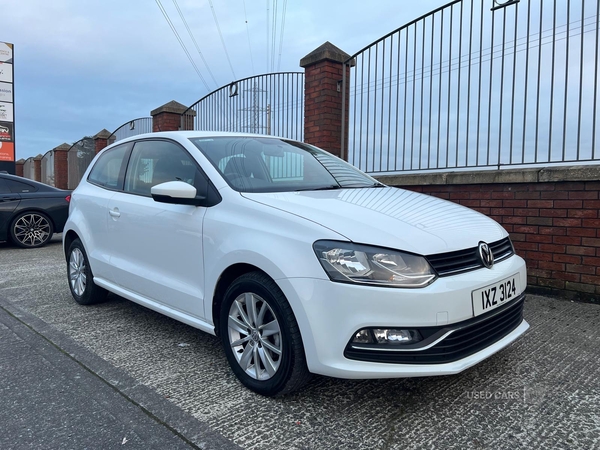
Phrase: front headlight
x=355 y=263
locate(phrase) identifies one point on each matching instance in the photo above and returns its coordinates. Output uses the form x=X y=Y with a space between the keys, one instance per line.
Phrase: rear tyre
x=81 y=279
x=31 y=230
x=261 y=337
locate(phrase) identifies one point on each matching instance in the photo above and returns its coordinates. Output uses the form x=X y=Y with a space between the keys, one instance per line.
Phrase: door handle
x=114 y=213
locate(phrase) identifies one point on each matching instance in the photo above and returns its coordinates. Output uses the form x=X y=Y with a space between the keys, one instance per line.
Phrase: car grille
x=452 y=263
x=471 y=336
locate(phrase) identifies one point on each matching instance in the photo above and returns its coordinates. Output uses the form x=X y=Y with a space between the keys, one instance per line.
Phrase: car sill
x=174 y=314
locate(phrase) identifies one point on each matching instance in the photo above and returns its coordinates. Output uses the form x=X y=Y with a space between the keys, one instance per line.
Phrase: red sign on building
x=7 y=108
x=7 y=152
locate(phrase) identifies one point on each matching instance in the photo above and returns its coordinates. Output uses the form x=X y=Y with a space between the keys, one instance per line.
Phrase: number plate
x=496 y=295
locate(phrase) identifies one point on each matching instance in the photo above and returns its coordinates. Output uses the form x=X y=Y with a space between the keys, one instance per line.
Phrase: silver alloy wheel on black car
x=31 y=230
x=255 y=336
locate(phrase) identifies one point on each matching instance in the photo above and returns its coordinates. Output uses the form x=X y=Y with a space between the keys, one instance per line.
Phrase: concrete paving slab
x=48 y=400
x=542 y=391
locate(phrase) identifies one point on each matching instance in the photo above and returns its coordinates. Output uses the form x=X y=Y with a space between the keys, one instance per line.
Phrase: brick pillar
x=19 y=167
x=101 y=140
x=61 y=166
x=323 y=69
x=37 y=168
x=168 y=117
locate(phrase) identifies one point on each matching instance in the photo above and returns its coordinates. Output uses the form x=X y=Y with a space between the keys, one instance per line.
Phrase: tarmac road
x=542 y=391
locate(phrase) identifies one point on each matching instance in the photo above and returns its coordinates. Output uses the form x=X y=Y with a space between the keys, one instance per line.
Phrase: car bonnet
x=389 y=217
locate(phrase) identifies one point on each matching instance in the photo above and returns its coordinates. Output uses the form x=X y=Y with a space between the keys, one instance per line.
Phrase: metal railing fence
x=271 y=103
x=47 y=168
x=79 y=157
x=28 y=169
x=473 y=85
x=134 y=127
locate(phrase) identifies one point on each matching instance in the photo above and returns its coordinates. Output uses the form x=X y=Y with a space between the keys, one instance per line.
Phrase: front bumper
x=330 y=313
x=447 y=343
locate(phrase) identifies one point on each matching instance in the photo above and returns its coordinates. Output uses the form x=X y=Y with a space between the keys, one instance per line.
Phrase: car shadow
x=56 y=239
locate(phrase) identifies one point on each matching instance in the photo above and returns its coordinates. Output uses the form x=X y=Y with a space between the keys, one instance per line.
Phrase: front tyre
x=31 y=230
x=81 y=279
x=261 y=337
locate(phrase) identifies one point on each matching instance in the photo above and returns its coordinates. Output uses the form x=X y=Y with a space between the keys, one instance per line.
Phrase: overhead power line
x=248 y=33
x=212 y=8
x=267 y=1
x=274 y=35
x=166 y=16
x=194 y=41
x=281 y=34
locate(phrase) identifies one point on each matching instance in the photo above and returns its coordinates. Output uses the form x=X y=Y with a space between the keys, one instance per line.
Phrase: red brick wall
x=37 y=168
x=100 y=144
x=166 y=121
x=323 y=105
x=554 y=226
x=19 y=169
x=61 y=169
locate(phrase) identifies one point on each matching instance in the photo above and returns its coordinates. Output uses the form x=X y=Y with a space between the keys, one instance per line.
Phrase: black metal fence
x=476 y=84
x=79 y=157
x=271 y=104
x=132 y=128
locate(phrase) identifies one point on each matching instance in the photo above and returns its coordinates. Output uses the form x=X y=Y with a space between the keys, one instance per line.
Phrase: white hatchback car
x=298 y=261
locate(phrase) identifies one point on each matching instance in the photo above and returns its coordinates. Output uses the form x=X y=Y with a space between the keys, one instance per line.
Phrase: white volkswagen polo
x=298 y=261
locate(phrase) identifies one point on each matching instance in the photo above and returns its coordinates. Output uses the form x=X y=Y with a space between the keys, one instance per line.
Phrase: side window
x=3 y=187
x=18 y=187
x=107 y=169
x=155 y=162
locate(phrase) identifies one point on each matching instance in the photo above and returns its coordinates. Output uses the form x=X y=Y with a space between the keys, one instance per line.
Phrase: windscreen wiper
x=323 y=188
x=364 y=186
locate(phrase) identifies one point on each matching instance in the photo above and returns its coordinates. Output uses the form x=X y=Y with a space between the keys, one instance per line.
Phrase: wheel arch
x=69 y=237
x=225 y=279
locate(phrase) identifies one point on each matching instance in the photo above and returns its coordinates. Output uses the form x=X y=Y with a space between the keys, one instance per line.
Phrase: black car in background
x=30 y=212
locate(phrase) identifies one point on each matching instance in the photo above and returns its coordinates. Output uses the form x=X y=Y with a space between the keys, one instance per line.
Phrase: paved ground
x=50 y=400
x=543 y=391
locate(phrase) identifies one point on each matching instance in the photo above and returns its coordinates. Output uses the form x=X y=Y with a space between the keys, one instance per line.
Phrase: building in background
x=7 y=110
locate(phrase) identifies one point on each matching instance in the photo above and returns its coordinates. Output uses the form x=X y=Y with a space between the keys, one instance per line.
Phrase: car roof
x=37 y=184
x=195 y=134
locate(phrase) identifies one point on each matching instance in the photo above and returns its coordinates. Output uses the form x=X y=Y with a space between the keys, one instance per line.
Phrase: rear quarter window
x=3 y=187
x=19 y=187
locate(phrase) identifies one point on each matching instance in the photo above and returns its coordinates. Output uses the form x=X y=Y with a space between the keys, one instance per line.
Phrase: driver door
x=157 y=247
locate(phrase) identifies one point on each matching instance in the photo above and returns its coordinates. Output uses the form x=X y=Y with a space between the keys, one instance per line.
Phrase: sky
x=85 y=65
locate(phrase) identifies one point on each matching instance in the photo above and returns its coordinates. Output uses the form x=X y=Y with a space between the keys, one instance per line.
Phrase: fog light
x=394 y=336
x=363 y=337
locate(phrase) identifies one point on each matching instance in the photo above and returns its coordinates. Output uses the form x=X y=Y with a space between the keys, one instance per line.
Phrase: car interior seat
x=248 y=166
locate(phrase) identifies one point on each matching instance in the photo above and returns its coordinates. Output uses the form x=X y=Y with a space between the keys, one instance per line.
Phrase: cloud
x=81 y=66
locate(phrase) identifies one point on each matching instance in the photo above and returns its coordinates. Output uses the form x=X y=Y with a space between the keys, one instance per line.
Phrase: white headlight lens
x=347 y=262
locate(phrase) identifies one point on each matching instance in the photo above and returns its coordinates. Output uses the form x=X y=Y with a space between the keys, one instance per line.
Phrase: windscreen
x=255 y=164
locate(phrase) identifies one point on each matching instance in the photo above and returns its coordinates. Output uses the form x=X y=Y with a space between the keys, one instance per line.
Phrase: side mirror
x=176 y=192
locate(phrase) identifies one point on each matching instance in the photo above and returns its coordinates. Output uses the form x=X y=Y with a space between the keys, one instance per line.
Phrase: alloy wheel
x=77 y=268
x=32 y=230
x=255 y=336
